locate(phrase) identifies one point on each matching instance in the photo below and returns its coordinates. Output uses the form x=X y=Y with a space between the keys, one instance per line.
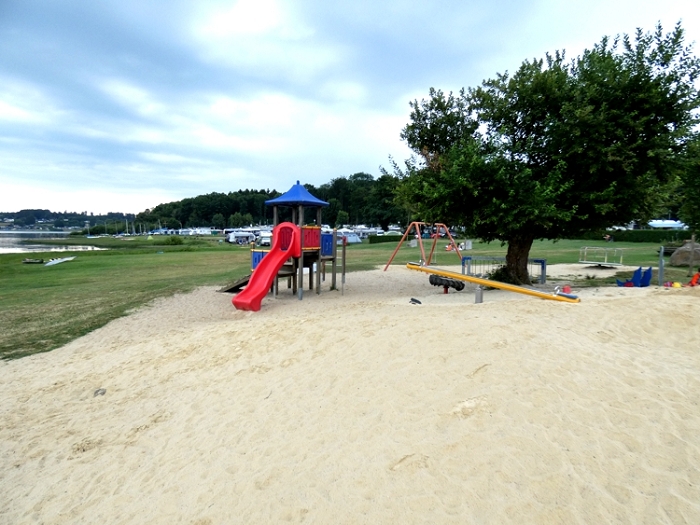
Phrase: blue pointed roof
x=297 y=195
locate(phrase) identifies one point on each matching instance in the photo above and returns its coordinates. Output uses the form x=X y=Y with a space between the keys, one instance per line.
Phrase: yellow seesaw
x=566 y=298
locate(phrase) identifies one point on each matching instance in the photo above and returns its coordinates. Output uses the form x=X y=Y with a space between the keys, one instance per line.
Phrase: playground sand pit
x=364 y=408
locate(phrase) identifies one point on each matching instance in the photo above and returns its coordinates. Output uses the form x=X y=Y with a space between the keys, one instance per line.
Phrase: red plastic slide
x=285 y=244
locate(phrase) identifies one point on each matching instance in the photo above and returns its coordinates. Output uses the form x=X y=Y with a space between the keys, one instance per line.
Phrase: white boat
x=53 y=262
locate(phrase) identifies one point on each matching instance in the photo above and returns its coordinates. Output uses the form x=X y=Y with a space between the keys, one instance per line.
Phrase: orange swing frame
x=417 y=225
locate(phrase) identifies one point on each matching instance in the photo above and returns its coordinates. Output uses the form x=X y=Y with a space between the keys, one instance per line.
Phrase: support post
x=342 y=279
x=692 y=255
x=300 y=284
x=334 y=263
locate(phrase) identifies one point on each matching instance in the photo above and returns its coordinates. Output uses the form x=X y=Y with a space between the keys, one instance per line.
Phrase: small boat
x=58 y=261
x=33 y=261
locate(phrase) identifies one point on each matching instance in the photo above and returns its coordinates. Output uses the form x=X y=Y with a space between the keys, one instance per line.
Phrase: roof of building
x=297 y=195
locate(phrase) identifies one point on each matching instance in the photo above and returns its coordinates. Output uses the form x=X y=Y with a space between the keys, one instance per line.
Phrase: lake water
x=17 y=241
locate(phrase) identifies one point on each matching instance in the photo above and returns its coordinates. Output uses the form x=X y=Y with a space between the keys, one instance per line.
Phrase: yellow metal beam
x=493 y=284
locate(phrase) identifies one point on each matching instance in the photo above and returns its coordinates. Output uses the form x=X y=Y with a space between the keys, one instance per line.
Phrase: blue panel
x=256 y=257
x=326 y=244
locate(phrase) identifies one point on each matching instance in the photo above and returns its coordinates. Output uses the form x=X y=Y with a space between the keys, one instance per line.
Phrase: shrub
x=501 y=275
x=376 y=239
x=169 y=240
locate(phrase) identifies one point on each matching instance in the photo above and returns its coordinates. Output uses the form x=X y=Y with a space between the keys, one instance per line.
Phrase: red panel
x=312 y=237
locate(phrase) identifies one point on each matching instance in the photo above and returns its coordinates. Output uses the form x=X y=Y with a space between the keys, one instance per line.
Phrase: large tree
x=560 y=148
x=690 y=187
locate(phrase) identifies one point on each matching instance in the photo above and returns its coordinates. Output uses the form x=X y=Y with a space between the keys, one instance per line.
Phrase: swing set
x=438 y=227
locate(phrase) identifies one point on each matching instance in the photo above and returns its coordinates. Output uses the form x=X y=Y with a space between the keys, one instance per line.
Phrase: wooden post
x=692 y=254
x=342 y=279
x=300 y=284
x=334 y=263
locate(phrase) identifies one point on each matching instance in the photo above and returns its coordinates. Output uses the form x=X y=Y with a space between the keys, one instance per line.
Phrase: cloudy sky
x=120 y=105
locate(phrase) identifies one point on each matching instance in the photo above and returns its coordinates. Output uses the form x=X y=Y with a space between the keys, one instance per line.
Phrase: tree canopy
x=557 y=148
x=358 y=198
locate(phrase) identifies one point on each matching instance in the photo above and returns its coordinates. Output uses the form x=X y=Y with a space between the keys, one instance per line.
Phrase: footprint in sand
x=85 y=445
x=480 y=369
x=469 y=407
x=411 y=462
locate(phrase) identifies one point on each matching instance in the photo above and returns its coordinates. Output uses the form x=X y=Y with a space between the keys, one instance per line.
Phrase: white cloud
x=245 y=18
x=99 y=201
x=266 y=38
x=133 y=97
x=24 y=102
x=165 y=158
x=13 y=113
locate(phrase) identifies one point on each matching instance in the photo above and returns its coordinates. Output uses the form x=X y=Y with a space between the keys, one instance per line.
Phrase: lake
x=19 y=241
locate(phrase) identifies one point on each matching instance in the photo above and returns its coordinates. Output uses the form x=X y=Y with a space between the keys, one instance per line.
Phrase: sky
x=121 y=105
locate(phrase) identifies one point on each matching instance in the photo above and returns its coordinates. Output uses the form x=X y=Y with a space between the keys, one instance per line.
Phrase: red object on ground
x=566 y=289
x=285 y=244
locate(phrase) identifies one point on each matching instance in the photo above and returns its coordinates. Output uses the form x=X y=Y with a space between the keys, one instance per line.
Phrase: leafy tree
x=381 y=202
x=561 y=149
x=437 y=124
x=235 y=220
x=342 y=218
x=689 y=211
x=218 y=221
x=330 y=214
x=171 y=224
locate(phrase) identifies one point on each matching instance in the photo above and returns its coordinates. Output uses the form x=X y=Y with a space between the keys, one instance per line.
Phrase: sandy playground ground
x=364 y=408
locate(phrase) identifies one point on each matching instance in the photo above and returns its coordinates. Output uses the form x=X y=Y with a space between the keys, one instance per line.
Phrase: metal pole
x=661 y=266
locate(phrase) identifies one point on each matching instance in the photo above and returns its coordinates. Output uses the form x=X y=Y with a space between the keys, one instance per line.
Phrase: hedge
x=376 y=239
x=656 y=236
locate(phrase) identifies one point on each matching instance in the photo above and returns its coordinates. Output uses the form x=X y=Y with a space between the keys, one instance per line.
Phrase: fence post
x=661 y=266
x=692 y=255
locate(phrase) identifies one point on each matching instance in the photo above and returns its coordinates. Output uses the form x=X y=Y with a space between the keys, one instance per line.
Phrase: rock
x=681 y=257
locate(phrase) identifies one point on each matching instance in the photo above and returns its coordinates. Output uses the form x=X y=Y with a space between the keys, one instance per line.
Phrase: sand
x=364 y=408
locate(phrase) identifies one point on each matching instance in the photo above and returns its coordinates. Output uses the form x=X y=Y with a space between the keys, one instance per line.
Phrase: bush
x=169 y=240
x=376 y=239
x=501 y=275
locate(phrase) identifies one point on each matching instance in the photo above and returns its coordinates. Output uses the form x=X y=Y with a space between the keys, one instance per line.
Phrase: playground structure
x=294 y=248
x=481 y=266
x=418 y=227
x=557 y=296
x=600 y=256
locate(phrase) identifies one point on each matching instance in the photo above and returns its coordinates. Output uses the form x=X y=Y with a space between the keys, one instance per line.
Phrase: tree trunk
x=516 y=259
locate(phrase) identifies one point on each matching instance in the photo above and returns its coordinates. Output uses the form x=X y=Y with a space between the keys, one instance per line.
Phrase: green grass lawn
x=42 y=308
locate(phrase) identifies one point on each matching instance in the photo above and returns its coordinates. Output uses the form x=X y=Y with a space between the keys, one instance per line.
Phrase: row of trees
x=560 y=148
x=359 y=198
x=59 y=220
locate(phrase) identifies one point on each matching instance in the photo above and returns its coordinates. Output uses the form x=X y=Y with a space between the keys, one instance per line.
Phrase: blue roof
x=297 y=195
